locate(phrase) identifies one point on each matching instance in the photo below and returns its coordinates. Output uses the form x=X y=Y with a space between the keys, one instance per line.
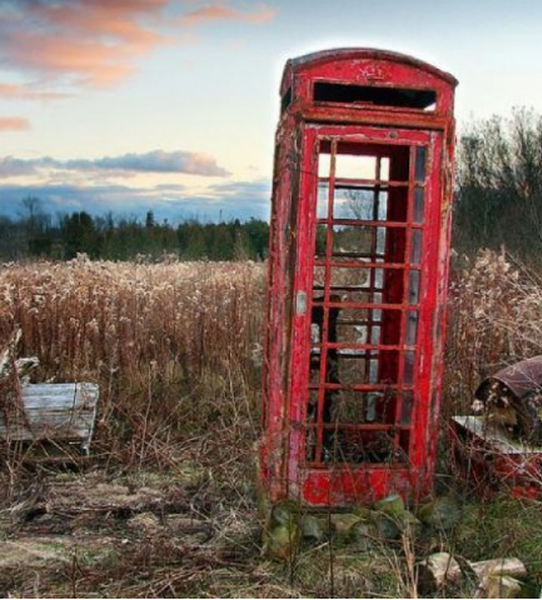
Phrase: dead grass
x=167 y=506
x=171 y=345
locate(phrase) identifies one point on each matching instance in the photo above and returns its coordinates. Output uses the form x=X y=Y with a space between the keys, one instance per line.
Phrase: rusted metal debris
x=512 y=398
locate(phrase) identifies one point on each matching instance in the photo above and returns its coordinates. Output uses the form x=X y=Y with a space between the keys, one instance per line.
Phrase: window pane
x=421 y=159
x=419 y=203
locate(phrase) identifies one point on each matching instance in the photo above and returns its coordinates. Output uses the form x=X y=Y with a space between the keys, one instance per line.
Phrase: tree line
x=37 y=234
x=498 y=203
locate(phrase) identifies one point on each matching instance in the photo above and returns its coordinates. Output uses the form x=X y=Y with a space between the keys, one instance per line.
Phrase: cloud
x=93 y=41
x=157 y=161
x=242 y=200
x=261 y=14
x=12 y=91
x=14 y=124
x=96 y=43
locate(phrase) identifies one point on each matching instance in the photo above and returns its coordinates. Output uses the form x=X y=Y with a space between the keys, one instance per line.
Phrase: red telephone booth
x=358 y=270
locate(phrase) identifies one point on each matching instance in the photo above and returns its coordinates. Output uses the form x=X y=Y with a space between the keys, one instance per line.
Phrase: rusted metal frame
x=365 y=265
x=422 y=448
x=445 y=219
x=362 y=305
x=443 y=153
x=406 y=293
x=347 y=345
x=325 y=317
x=372 y=276
x=418 y=121
x=271 y=457
x=347 y=182
x=359 y=387
x=344 y=288
x=375 y=135
x=408 y=70
x=364 y=427
x=343 y=485
x=303 y=276
x=361 y=223
x=365 y=256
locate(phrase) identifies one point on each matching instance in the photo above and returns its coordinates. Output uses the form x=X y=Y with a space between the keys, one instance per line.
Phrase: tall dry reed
x=494 y=319
x=171 y=344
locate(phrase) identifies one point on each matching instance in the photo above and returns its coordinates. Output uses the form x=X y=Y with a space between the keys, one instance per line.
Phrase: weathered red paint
x=388 y=287
x=491 y=467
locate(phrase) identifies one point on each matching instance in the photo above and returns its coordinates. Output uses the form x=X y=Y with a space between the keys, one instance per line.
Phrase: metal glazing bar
x=367 y=223
x=326 y=304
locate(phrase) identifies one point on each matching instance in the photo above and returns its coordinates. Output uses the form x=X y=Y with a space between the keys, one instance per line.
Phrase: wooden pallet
x=58 y=412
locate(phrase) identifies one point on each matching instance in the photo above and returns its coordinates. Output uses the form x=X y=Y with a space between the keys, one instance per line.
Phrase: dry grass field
x=166 y=505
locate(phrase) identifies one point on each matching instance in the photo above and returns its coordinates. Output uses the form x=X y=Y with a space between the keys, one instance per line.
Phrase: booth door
x=368 y=227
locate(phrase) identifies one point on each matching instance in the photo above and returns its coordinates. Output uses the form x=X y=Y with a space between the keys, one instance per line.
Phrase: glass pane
x=384 y=169
x=375 y=334
x=421 y=159
x=413 y=287
x=381 y=241
x=411 y=328
x=324 y=165
x=408 y=372
x=321 y=240
x=322 y=202
x=419 y=202
x=406 y=409
x=416 y=247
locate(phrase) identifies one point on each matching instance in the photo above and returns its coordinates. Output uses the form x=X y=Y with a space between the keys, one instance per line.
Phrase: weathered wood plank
x=60 y=412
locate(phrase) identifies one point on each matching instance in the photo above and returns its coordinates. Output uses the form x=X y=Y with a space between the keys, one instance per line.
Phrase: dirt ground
x=163 y=535
x=139 y=535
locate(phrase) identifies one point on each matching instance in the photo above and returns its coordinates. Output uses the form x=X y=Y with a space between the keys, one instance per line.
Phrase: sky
x=171 y=105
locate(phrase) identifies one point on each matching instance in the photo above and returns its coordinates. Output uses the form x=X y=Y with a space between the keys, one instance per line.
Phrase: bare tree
x=499 y=177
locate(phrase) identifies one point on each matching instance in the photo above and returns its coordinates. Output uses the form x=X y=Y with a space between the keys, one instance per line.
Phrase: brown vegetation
x=167 y=504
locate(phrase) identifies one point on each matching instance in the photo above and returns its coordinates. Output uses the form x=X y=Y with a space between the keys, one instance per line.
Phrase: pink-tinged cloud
x=157 y=161
x=98 y=42
x=94 y=42
x=261 y=14
x=12 y=91
x=14 y=124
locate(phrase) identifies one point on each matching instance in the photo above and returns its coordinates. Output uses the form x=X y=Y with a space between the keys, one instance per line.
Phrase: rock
x=362 y=511
x=499 y=586
x=512 y=567
x=436 y=571
x=497 y=577
x=394 y=518
x=365 y=533
x=392 y=506
x=313 y=527
x=285 y=511
x=442 y=513
x=282 y=541
x=387 y=527
x=343 y=523
x=409 y=522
